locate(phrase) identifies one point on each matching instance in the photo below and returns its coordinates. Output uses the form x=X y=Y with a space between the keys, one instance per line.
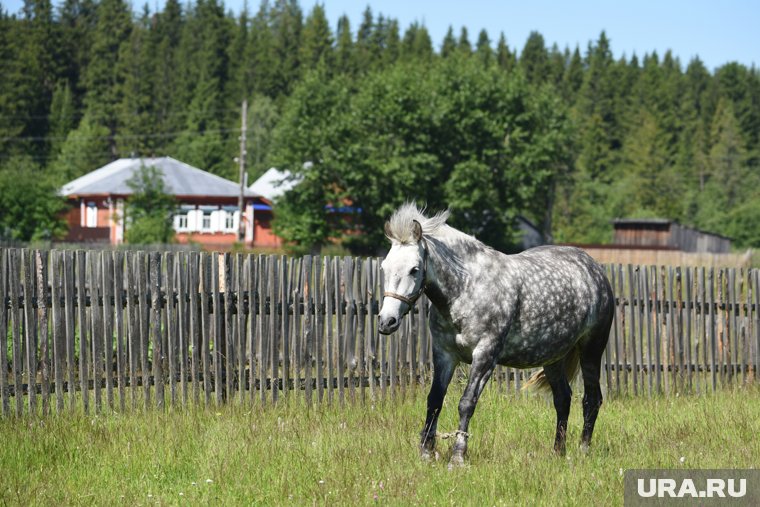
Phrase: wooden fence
x=90 y=330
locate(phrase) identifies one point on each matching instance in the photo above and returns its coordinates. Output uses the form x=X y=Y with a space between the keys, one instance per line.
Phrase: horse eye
x=414 y=270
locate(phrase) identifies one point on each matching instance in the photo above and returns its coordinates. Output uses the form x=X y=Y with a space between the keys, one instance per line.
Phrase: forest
x=371 y=116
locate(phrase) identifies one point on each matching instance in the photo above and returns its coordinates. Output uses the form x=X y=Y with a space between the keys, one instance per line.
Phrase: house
x=207 y=205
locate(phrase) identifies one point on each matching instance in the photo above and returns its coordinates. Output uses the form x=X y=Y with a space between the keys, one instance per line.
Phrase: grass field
x=366 y=454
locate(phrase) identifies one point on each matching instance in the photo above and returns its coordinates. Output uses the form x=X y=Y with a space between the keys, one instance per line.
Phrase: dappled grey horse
x=549 y=306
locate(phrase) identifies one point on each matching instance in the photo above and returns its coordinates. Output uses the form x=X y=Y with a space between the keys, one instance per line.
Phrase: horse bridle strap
x=414 y=296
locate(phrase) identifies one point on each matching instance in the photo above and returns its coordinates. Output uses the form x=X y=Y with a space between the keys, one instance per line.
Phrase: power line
x=79 y=116
x=117 y=136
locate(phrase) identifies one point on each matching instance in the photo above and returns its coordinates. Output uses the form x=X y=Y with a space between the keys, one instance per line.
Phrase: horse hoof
x=456 y=461
x=584 y=447
x=428 y=455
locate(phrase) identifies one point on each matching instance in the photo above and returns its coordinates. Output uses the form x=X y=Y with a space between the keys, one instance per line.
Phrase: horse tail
x=539 y=382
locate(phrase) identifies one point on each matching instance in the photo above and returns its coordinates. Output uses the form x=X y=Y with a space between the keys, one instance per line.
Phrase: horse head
x=404 y=269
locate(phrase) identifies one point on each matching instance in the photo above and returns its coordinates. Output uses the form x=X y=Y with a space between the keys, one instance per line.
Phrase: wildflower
x=683 y=458
x=209 y=481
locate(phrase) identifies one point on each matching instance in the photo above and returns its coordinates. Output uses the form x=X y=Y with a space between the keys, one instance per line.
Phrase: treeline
x=373 y=115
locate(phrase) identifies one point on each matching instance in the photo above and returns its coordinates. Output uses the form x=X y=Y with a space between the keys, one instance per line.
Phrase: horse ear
x=416 y=231
x=388 y=229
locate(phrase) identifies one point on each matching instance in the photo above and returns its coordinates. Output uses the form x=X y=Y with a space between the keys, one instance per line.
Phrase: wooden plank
x=330 y=317
x=253 y=301
x=359 y=291
x=383 y=349
x=228 y=325
x=30 y=330
x=241 y=313
x=121 y=349
x=308 y=324
x=619 y=322
x=217 y=322
x=133 y=326
x=84 y=327
x=712 y=323
x=4 y=318
x=658 y=340
x=339 y=337
x=181 y=272
x=744 y=312
x=57 y=282
x=107 y=277
x=647 y=296
x=96 y=316
x=261 y=329
x=172 y=318
x=632 y=289
x=16 y=318
x=275 y=313
x=41 y=277
x=371 y=301
x=624 y=331
x=350 y=325
x=319 y=319
x=205 y=276
x=689 y=317
x=672 y=332
x=70 y=311
x=723 y=332
x=155 y=328
x=733 y=325
x=756 y=291
x=703 y=332
x=143 y=319
x=195 y=324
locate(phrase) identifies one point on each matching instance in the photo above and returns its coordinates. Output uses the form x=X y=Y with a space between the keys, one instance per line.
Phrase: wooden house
x=659 y=233
x=207 y=205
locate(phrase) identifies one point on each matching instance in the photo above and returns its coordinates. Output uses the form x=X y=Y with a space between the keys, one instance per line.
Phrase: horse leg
x=443 y=370
x=483 y=364
x=562 y=393
x=591 y=359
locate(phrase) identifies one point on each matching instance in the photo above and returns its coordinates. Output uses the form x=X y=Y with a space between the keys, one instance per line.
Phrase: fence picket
x=41 y=289
x=4 y=391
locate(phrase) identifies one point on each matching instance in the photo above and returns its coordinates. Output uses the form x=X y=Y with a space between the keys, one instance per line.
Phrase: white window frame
x=204 y=216
x=91 y=215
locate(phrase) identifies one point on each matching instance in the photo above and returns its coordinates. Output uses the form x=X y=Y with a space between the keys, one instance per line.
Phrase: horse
x=549 y=306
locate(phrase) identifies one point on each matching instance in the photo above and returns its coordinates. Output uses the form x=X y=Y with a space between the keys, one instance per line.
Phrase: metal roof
x=273 y=183
x=180 y=179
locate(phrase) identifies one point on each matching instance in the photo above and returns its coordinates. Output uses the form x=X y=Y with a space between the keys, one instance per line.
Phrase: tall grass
x=289 y=454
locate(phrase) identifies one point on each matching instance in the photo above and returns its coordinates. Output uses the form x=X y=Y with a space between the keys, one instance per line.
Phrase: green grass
x=365 y=454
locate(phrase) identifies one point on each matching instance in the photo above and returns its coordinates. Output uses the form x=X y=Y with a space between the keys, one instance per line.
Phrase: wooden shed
x=660 y=233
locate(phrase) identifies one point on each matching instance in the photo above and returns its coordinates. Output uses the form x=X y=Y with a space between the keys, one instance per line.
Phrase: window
x=92 y=215
x=206 y=221
x=180 y=222
x=229 y=221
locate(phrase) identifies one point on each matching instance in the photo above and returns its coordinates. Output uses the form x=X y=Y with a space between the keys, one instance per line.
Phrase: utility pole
x=241 y=160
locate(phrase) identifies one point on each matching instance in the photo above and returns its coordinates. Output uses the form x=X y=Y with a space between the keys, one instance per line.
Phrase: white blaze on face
x=402 y=274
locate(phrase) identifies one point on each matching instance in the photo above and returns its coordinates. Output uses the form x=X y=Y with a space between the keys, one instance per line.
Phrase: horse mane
x=444 y=242
x=401 y=224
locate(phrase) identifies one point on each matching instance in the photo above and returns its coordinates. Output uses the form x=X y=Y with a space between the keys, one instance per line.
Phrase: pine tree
x=316 y=44
x=504 y=57
x=449 y=44
x=344 y=51
x=483 y=49
x=102 y=78
x=534 y=59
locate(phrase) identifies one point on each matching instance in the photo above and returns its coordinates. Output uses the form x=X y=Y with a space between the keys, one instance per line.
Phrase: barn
x=661 y=233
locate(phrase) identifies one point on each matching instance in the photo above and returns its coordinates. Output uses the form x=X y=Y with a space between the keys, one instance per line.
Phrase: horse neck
x=448 y=269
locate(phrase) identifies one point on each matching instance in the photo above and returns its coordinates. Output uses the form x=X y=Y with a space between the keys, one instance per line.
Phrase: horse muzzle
x=387 y=325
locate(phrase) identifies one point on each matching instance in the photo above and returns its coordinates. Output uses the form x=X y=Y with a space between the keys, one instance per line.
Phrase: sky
x=718 y=31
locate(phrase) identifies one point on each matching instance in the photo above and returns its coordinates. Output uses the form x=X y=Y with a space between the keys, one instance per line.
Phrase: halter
x=414 y=296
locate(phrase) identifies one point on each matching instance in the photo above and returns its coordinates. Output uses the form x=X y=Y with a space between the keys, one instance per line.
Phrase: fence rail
x=90 y=330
